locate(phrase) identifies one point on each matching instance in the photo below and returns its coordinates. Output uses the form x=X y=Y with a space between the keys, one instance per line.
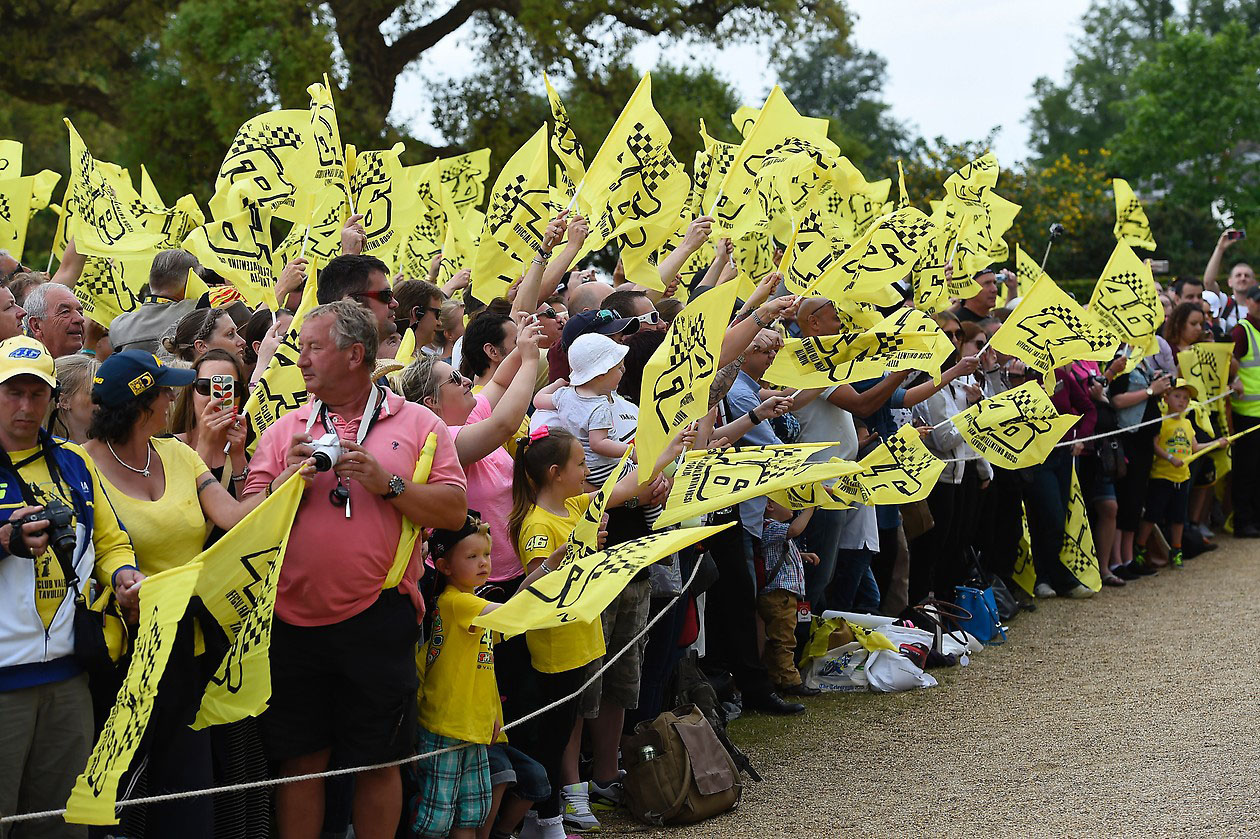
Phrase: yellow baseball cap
x=24 y=356
x=1182 y=383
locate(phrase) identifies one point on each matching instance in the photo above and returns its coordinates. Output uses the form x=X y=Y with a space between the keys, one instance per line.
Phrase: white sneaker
x=606 y=797
x=577 y=808
x=1044 y=590
x=552 y=828
x=1080 y=592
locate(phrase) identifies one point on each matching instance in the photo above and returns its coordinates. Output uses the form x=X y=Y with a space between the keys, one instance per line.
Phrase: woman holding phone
x=208 y=416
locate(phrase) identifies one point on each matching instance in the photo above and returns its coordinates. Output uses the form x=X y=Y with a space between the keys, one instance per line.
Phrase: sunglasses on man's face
x=549 y=313
x=651 y=318
x=385 y=295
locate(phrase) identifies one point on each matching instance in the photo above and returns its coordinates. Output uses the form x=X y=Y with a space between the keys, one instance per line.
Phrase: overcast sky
x=956 y=68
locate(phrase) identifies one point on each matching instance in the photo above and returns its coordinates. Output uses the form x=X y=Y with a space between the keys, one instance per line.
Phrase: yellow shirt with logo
x=170 y=531
x=1176 y=436
x=108 y=537
x=459 y=696
x=573 y=645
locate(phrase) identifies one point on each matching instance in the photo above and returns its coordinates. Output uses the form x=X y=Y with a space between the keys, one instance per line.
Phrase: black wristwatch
x=752 y=416
x=396 y=487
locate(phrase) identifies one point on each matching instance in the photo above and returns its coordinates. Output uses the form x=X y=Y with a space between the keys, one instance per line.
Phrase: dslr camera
x=60 y=529
x=326 y=451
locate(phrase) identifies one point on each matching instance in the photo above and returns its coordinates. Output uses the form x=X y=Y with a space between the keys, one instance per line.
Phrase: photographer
x=343 y=643
x=45 y=708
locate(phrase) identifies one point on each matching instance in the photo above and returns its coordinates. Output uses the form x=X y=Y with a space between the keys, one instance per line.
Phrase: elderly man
x=54 y=317
x=343 y=643
x=45 y=708
x=363 y=279
x=980 y=305
x=162 y=307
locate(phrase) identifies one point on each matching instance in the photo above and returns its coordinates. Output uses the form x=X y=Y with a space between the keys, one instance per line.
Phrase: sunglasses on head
x=385 y=295
x=202 y=386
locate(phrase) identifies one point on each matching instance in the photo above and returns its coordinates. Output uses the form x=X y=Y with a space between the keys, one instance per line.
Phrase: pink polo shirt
x=334 y=566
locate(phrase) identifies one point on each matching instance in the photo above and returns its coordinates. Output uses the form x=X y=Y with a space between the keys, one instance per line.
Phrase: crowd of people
x=533 y=400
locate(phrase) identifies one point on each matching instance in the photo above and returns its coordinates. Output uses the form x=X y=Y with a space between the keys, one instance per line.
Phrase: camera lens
x=322 y=461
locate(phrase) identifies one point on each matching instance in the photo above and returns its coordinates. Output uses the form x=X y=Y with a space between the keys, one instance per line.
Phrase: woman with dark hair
x=201 y=330
x=261 y=326
x=163 y=494
x=213 y=427
x=1184 y=326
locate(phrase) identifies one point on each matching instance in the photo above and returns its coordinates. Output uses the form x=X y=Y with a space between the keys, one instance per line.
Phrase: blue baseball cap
x=601 y=322
x=129 y=375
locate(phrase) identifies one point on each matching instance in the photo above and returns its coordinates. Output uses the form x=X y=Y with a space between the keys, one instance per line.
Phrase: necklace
x=148 y=459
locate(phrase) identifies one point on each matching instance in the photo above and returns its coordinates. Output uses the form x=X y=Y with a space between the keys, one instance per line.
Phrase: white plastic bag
x=889 y=672
x=841 y=669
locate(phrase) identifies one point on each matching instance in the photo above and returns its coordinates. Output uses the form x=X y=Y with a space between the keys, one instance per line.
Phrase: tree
x=1192 y=128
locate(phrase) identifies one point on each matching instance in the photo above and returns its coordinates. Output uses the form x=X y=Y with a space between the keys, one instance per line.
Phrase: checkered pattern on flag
x=516 y=219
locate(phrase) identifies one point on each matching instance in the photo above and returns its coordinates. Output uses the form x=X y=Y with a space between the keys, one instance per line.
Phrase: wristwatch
x=1150 y=391
x=396 y=487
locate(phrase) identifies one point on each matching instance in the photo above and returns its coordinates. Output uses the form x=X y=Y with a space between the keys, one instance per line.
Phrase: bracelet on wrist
x=753 y=418
x=757 y=320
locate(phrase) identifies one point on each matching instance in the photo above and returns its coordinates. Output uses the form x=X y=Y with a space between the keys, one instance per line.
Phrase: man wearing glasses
x=419 y=308
x=363 y=279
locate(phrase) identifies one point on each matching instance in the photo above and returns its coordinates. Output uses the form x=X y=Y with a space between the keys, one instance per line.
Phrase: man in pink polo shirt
x=343 y=668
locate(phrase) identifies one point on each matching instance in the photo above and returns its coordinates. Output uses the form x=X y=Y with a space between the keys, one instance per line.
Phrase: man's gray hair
x=36 y=302
x=169 y=270
x=352 y=324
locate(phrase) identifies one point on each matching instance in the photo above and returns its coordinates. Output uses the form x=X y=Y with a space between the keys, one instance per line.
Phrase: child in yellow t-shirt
x=459 y=699
x=1168 y=491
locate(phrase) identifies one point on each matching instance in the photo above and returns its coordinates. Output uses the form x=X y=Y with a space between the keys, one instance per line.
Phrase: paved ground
x=1134 y=713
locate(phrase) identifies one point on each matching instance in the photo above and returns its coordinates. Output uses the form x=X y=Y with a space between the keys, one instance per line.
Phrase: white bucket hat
x=593 y=355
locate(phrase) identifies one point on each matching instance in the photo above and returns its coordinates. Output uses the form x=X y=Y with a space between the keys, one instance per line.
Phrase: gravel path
x=1131 y=713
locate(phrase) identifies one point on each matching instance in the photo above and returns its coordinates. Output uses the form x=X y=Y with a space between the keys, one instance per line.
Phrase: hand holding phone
x=223 y=387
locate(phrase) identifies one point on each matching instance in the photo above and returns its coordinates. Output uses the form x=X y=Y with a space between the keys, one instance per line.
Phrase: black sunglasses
x=549 y=313
x=202 y=386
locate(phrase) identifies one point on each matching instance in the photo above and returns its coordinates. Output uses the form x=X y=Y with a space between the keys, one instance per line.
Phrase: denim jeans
x=1047 y=487
x=822 y=537
x=853 y=585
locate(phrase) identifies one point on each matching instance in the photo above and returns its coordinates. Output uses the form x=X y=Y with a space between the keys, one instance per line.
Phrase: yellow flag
x=564 y=143
x=281 y=388
x=717 y=478
x=239 y=249
x=817 y=242
x=1132 y=226
x=15 y=214
x=265 y=164
x=410 y=531
x=174 y=223
x=1014 y=429
x=1078 y=553
x=163 y=601
x=900 y=470
x=378 y=192
x=464 y=178
x=904 y=200
x=884 y=254
x=736 y=210
x=10 y=159
x=984 y=244
x=148 y=191
x=100 y=222
x=1049 y=329
x=330 y=165
x=676 y=380
x=854 y=201
x=745 y=117
x=718 y=159
x=1025 y=574
x=579 y=591
x=316 y=234
x=634 y=180
x=1207 y=363
x=110 y=286
x=237 y=586
x=584 y=540
x=1027 y=270
x=1126 y=299
x=639 y=253
x=905 y=340
x=816 y=494
x=460 y=244
x=516 y=220
x=969 y=183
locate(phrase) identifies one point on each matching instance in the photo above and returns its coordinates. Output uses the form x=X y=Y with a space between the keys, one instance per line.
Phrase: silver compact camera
x=326 y=451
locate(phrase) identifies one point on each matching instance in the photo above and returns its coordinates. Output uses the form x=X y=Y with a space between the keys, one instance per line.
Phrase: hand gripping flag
x=1014 y=429
x=677 y=377
x=100 y=221
x=905 y=340
x=565 y=144
x=1126 y=300
x=634 y=180
x=717 y=478
x=516 y=219
x=1132 y=226
x=1049 y=329
x=579 y=591
x=317 y=232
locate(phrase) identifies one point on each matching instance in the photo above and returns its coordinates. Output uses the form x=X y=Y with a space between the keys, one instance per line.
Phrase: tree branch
x=410 y=45
x=43 y=92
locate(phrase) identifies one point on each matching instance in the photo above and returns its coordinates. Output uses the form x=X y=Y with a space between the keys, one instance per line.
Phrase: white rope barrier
x=332 y=773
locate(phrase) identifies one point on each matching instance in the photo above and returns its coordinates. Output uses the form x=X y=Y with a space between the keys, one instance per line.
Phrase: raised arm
x=479 y=439
x=1213 y=269
x=697 y=235
x=526 y=299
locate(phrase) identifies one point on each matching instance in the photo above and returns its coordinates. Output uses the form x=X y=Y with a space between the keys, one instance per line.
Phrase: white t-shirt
x=822 y=422
x=580 y=415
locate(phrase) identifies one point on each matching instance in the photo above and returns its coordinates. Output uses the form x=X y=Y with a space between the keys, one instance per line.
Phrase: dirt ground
x=1133 y=713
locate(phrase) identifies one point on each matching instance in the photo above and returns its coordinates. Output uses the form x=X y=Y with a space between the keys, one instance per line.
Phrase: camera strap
x=371 y=413
x=46 y=452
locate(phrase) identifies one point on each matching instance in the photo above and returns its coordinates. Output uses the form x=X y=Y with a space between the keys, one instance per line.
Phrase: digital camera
x=60 y=528
x=326 y=451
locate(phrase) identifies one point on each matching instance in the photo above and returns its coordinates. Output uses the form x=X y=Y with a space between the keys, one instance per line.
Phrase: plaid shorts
x=453 y=788
x=624 y=618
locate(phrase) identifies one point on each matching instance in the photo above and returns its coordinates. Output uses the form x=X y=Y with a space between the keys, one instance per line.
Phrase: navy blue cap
x=603 y=322
x=129 y=375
